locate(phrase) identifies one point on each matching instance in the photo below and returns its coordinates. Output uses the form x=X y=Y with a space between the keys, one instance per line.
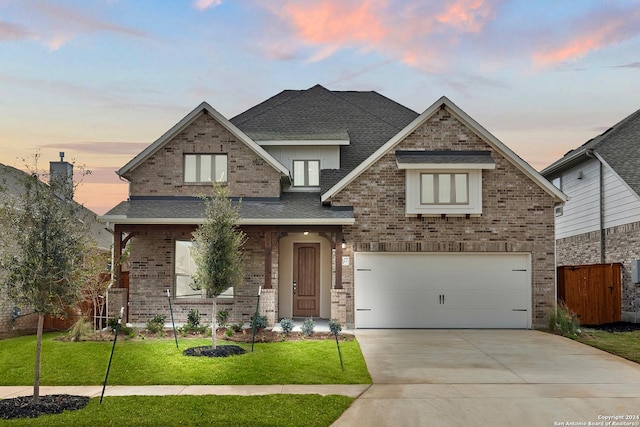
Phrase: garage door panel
x=420 y=290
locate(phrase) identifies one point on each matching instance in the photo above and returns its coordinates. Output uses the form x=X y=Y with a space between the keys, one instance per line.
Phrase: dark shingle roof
x=619 y=146
x=368 y=118
x=290 y=207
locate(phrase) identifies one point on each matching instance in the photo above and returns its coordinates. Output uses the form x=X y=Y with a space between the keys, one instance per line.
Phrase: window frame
x=198 y=294
x=436 y=187
x=306 y=163
x=213 y=166
x=414 y=202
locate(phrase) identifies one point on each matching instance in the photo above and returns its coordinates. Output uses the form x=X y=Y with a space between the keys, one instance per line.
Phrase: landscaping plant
x=156 y=324
x=217 y=248
x=287 y=325
x=308 y=326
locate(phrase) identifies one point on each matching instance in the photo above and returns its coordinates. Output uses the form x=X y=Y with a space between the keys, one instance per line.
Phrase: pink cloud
x=595 y=32
x=206 y=4
x=417 y=33
x=9 y=31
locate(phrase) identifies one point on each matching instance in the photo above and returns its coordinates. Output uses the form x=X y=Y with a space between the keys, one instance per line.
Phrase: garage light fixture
x=344 y=243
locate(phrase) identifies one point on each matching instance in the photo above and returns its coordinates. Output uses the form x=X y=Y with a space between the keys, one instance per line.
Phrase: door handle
x=441 y=298
x=295 y=285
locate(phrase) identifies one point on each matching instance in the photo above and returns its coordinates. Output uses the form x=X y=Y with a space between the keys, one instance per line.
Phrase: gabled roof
x=367 y=118
x=203 y=108
x=618 y=146
x=444 y=102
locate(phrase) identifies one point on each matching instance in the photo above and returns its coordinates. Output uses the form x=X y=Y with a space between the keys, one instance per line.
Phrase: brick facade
x=621 y=245
x=162 y=173
x=517 y=214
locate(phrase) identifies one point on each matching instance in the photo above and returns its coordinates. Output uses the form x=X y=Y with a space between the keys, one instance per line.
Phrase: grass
x=623 y=344
x=271 y=410
x=152 y=362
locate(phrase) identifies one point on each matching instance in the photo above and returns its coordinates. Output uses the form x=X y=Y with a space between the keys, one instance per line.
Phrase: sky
x=102 y=79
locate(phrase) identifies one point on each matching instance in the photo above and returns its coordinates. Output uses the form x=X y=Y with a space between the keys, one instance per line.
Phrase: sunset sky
x=101 y=80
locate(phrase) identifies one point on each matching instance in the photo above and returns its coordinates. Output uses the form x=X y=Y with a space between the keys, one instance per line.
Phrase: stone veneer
x=517 y=215
x=622 y=245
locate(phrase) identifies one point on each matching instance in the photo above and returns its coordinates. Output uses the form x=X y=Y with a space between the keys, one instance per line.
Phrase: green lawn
x=151 y=362
x=272 y=410
x=623 y=344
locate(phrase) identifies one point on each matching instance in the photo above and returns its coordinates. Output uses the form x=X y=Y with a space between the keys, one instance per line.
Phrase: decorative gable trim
x=203 y=108
x=444 y=102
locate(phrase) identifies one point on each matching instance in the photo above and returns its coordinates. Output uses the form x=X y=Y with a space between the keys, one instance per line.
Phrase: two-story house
x=356 y=208
x=600 y=223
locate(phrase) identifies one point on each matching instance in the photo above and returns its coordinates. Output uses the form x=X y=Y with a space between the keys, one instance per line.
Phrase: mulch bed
x=616 y=327
x=22 y=407
x=219 y=351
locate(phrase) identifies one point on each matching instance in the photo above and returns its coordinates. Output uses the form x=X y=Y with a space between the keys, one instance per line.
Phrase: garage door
x=437 y=290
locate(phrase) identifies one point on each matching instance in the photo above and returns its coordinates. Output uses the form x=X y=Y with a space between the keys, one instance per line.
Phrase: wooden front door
x=306 y=279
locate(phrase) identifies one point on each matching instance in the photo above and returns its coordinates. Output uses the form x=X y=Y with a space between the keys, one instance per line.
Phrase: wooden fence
x=593 y=292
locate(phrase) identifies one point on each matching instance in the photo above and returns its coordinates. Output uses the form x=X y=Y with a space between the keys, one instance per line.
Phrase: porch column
x=267 y=259
x=116 y=265
x=338 y=247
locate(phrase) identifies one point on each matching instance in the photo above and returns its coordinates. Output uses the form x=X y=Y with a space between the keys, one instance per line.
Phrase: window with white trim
x=306 y=173
x=185 y=267
x=203 y=168
x=444 y=188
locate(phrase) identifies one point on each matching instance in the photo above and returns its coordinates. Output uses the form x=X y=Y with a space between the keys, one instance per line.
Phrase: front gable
x=201 y=148
x=444 y=126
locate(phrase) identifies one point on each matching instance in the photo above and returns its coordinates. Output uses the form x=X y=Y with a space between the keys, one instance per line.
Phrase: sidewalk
x=351 y=390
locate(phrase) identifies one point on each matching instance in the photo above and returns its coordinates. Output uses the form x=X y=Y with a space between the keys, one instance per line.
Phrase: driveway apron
x=491 y=378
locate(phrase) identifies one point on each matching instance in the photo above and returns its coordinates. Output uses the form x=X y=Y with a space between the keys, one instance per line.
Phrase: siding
x=622 y=206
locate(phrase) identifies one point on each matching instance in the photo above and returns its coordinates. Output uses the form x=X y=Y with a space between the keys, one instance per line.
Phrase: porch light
x=344 y=243
x=306 y=233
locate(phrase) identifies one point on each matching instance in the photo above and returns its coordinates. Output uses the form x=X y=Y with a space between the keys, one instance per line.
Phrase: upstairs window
x=444 y=188
x=306 y=173
x=204 y=168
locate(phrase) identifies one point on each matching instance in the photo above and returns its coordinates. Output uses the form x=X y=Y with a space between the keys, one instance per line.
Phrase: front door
x=306 y=279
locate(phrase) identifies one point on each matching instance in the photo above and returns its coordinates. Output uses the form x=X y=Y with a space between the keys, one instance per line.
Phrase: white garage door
x=437 y=290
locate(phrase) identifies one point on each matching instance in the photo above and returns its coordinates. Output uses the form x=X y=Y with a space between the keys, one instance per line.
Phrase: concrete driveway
x=491 y=378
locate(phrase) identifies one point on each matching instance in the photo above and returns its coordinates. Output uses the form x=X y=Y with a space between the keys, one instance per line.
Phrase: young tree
x=217 y=248
x=49 y=235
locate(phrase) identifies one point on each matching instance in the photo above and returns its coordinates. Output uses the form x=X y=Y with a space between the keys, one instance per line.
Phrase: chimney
x=61 y=178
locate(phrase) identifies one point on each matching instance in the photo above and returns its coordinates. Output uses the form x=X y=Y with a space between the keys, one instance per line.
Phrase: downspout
x=603 y=248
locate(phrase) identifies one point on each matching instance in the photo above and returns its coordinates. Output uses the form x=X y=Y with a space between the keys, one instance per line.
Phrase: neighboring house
x=601 y=221
x=356 y=208
x=11 y=186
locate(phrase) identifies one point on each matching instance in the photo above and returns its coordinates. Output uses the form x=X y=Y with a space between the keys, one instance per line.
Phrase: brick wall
x=518 y=216
x=622 y=245
x=151 y=273
x=162 y=173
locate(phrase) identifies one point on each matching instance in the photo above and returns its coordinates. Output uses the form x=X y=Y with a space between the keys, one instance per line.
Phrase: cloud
x=55 y=25
x=206 y=4
x=417 y=33
x=630 y=65
x=596 y=30
x=9 y=31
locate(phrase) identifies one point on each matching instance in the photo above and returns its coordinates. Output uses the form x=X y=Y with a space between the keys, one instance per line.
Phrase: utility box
x=635 y=271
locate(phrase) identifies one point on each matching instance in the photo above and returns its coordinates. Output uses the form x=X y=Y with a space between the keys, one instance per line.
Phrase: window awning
x=421 y=159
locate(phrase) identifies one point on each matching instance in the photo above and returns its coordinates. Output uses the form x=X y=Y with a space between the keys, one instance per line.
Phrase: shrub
x=259 y=322
x=236 y=327
x=193 y=319
x=112 y=323
x=308 y=326
x=334 y=326
x=80 y=330
x=228 y=332
x=156 y=324
x=287 y=325
x=222 y=317
x=565 y=322
x=129 y=331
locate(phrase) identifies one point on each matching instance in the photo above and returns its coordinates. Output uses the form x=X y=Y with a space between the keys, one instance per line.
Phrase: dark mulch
x=616 y=327
x=22 y=407
x=219 y=351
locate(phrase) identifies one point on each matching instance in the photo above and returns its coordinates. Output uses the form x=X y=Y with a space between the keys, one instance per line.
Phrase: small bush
x=259 y=322
x=335 y=326
x=129 y=331
x=222 y=317
x=193 y=319
x=236 y=327
x=308 y=326
x=228 y=332
x=112 y=323
x=565 y=322
x=80 y=330
x=156 y=324
x=287 y=325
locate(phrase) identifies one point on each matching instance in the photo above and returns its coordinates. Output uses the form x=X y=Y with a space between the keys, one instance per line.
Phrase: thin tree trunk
x=214 y=326
x=36 y=381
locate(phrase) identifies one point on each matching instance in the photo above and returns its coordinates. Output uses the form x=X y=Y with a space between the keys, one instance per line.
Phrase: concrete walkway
x=491 y=378
x=162 y=390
